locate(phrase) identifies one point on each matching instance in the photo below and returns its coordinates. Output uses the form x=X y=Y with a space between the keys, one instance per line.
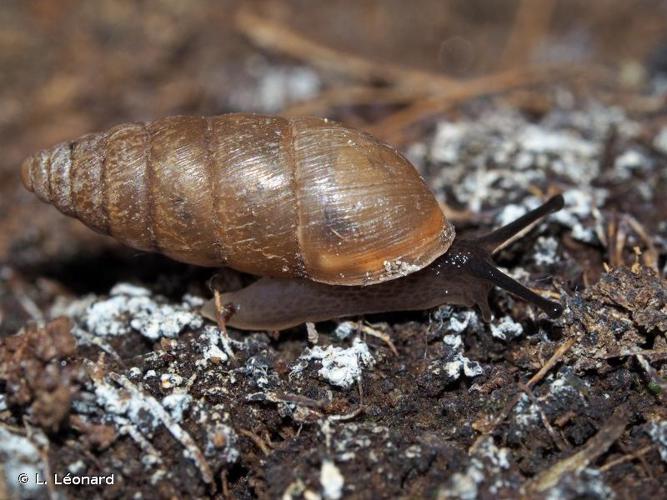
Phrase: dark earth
x=106 y=367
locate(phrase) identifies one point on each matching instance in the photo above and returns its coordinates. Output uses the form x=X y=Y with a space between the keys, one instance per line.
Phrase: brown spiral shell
x=271 y=196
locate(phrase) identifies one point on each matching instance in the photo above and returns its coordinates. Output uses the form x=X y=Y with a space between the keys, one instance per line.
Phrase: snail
x=334 y=222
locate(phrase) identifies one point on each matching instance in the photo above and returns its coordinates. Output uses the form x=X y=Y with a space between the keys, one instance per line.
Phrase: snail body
x=333 y=221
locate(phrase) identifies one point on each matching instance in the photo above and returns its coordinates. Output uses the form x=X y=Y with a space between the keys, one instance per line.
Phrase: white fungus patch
x=499 y=154
x=275 y=87
x=340 y=367
x=456 y=322
x=446 y=145
x=520 y=153
x=457 y=363
x=332 y=480
x=345 y=329
x=486 y=465
x=526 y=413
x=512 y=211
x=564 y=151
x=413 y=451
x=124 y=404
x=460 y=321
x=193 y=301
x=18 y=456
x=580 y=205
x=660 y=140
x=215 y=347
x=506 y=329
x=76 y=467
x=453 y=341
x=132 y=308
x=629 y=162
x=396 y=268
x=462 y=364
x=257 y=369
x=585 y=483
x=546 y=251
x=658 y=433
x=129 y=290
x=177 y=404
x=352 y=439
x=170 y=380
x=222 y=442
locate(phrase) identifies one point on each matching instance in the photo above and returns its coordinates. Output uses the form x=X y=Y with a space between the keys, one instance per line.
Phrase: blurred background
x=68 y=67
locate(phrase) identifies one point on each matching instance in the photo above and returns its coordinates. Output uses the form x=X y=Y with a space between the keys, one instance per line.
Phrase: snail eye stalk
x=497 y=239
x=475 y=256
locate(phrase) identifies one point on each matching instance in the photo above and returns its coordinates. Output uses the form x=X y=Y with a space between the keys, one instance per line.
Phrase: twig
x=386 y=338
x=626 y=458
x=391 y=127
x=346 y=416
x=593 y=448
x=651 y=253
x=87 y=337
x=551 y=362
x=17 y=287
x=256 y=440
x=222 y=323
x=277 y=37
x=225 y=484
x=560 y=352
x=159 y=412
x=352 y=95
x=313 y=334
x=130 y=429
x=650 y=353
x=300 y=400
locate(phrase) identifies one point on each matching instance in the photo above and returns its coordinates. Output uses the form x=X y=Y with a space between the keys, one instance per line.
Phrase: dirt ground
x=107 y=368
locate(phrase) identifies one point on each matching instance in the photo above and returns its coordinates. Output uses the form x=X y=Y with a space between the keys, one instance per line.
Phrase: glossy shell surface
x=299 y=197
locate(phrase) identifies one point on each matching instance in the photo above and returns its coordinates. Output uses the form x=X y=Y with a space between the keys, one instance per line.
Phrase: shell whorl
x=301 y=197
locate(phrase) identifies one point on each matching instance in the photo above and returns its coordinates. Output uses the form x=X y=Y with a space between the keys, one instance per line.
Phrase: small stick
x=154 y=406
x=391 y=127
x=275 y=36
x=221 y=319
x=560 y=352
x=225 y=484
x=626 y=458
x=651 y=254
x=593 y=448
x=128 y=428
x=351 y=95
x=256 y=440
x=386 y=338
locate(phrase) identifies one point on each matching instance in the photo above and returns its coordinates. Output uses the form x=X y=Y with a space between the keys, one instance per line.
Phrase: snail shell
x=299 y=197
